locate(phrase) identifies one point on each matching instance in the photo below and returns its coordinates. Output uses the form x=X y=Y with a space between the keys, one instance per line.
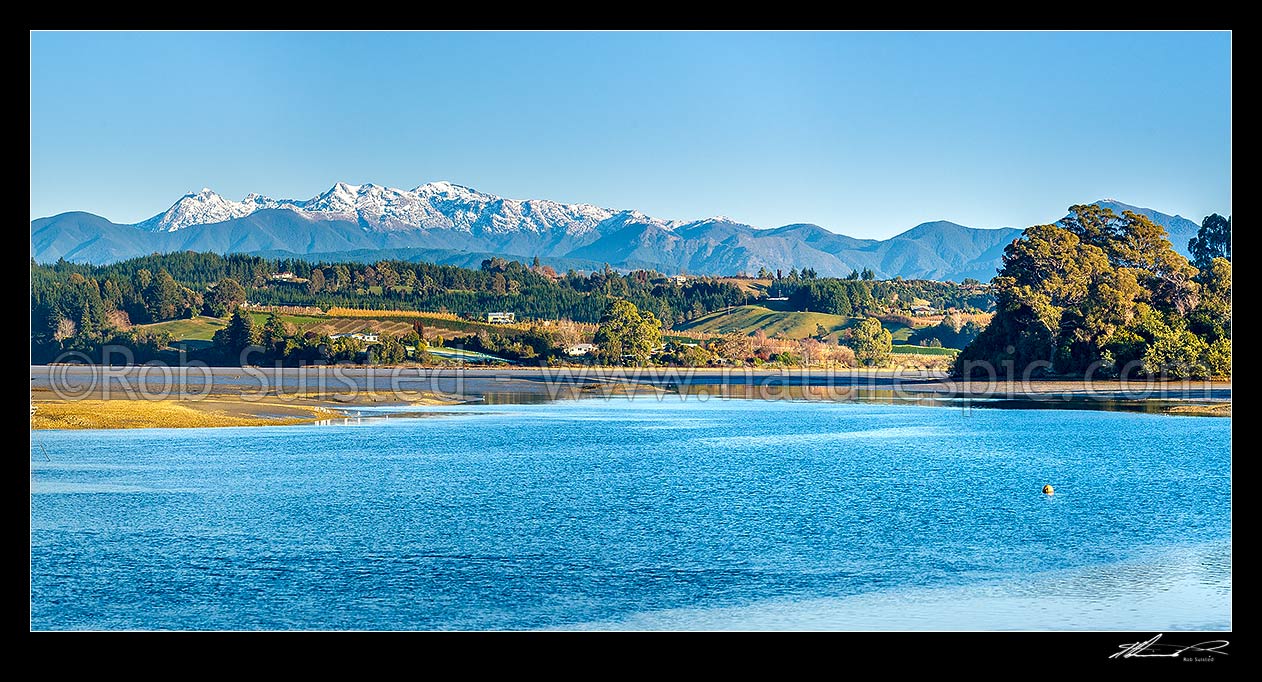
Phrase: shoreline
x=210 y=411
x=80 y=397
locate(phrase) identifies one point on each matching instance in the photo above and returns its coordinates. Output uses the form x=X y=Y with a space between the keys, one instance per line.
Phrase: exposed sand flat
x=171 y=413
x=96 y=397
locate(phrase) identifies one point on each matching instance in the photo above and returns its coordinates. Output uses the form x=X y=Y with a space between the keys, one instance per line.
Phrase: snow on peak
x=196 y=208
x=433 y=205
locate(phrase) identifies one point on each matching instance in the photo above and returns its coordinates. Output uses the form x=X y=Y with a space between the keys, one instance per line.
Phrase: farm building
x=501 y=318
x=366 y=337
x=581 y=349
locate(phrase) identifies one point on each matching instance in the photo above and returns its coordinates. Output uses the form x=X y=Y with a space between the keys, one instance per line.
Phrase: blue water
x=640 y=514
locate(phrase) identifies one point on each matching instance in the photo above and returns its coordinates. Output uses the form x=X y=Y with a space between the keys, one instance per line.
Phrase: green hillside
x=788 y=324
x=199 y=328
x=748 y=319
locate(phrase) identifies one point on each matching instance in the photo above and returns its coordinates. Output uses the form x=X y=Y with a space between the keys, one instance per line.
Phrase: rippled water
x=641 y=514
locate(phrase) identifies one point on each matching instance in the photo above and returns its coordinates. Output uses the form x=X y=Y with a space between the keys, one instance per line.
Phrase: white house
x=581 y=349
x=501 y=318
x=366 y=337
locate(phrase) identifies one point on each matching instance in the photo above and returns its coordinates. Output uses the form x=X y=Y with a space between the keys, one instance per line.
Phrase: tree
x=65 y=329
x=1212 y=318
x=388 y=351
x=868 y=275
x=873 y=343
x=316 y=282
x=1102 y=293
x=239 y=334
x=734 y=346
x=224 y=297
x=274 y=336
x=163 y=298
x=626 y=335
x=1212 y=241
x=853 y=276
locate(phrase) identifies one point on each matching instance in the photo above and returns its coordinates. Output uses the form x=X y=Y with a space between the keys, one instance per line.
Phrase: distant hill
x=1180 y=230
x=446 y=223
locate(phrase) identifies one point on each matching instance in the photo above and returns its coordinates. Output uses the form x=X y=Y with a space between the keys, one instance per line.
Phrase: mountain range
x=448 y=223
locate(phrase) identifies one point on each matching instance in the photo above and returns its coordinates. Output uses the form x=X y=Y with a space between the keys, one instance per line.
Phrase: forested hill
x=84 y=304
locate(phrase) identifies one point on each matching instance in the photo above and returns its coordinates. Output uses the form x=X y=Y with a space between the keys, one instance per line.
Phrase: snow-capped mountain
x=201 y=208
x=435 y=205
x=448 y=223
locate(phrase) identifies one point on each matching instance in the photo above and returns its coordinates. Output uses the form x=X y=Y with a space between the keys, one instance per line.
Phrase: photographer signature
x=1154 y=649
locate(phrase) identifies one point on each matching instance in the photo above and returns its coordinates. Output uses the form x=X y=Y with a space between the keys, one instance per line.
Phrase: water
x=641 y=514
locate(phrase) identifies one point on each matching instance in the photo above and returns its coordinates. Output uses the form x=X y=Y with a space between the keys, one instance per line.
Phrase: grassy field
x=197 y=329
x=901 y=333
x=753 y=287
x=788 y=324
x=907 y=349
x=748 y=319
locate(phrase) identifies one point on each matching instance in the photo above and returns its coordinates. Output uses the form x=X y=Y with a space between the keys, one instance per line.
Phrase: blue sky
x=863 y=133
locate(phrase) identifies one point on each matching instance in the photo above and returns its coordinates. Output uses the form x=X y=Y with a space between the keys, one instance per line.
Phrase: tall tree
x=239 y=334
x=163 y=297
x=315 y=283
x=1212 y=241
x=226 y=295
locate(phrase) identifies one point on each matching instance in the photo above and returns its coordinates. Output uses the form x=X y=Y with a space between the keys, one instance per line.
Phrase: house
x=581 y=349
x=501 y=318
x=366 y=337
x=922 y=310
x=679 y=279
x=283 y=276
x=777 y=298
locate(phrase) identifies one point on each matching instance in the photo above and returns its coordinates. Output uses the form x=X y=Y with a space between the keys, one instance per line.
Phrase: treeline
x=858 y=295
x=1107 y=295
x=84 y=307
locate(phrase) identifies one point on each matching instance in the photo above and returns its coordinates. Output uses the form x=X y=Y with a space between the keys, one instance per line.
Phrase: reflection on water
x=1182 y=588
x=893 y=397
